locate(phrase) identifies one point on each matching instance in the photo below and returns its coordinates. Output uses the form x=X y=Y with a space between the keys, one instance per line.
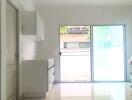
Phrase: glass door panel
x=75 y=61
x=108 y=49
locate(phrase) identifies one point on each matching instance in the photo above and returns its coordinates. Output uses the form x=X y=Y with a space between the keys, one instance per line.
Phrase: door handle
x=60 y=53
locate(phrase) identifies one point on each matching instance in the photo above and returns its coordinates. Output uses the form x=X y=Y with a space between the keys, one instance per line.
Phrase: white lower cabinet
x=38 y=77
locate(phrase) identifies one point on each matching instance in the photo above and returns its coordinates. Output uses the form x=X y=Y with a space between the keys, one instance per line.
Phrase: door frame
x=92 y=53
x=17 y=39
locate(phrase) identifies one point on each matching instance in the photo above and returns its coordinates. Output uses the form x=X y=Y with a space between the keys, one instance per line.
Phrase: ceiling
x=83 y=2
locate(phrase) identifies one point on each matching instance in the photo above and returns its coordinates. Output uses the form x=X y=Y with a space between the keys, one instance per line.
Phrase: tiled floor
x=89 y=91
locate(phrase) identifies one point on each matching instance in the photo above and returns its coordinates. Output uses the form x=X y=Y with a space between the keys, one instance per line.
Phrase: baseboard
x=34 y=94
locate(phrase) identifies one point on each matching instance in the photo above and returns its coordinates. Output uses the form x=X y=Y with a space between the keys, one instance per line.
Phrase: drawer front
x=50 y=78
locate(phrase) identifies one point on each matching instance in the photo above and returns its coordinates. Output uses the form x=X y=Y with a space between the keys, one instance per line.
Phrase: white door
x=11 y=52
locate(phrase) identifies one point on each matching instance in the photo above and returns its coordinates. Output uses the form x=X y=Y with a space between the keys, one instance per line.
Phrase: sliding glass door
x=108 y=53
x=92 y=53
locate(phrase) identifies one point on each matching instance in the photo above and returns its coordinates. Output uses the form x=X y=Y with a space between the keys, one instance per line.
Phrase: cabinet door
x=33 y=24
x=29 y=22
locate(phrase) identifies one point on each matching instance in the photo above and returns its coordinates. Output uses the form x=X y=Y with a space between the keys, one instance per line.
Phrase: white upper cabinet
x=33 y=24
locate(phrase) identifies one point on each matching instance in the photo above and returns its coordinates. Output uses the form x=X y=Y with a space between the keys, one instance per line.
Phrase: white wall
x=53 y=17
x=23 y=4
x=28 y=47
